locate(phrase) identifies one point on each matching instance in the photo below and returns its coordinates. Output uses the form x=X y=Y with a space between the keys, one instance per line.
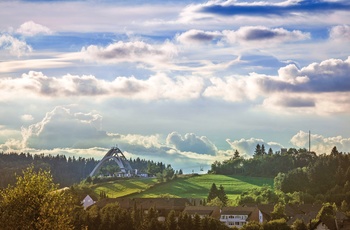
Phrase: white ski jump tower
x=116 y=154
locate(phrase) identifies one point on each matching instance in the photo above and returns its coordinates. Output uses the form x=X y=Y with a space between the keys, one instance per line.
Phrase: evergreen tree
x=205 y=223
x=171 y=221
x=103 y=195
x=257 y=151
x=187 y=222
x=222 y=195
x=181 y=221
x=263 y=152
x=236 y=154
x=270 y=152
x=151 y=221
x=334 y=151
x=213 y=192
x=113 y=217
x=136 y=217
x=196 y=222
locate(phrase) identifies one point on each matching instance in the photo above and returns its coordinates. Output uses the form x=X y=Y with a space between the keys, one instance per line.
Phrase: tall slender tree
x=236 y=154
x=257 y=151
x=222 y=195
x=171 y=221
x=213 y=192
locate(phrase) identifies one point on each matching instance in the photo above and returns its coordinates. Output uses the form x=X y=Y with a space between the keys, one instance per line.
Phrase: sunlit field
x=185 y=187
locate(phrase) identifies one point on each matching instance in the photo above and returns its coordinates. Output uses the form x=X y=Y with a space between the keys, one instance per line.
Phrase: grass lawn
x=123 y=187
x=199 y=186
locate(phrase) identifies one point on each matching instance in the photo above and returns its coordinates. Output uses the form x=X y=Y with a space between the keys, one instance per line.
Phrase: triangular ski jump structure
x=116 y=154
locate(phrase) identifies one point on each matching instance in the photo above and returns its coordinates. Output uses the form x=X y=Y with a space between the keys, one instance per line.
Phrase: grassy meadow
x=187 y=187
x=123 y=187
x=199 y=186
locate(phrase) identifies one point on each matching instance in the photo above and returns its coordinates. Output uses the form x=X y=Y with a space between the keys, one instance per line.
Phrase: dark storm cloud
x=310 y=6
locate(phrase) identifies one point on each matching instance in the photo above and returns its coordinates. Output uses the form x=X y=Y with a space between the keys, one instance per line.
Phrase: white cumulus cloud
x=135 y=51
x=14 y=45
x=191 y=143
x=61 y=128
x=246 y=147
x=31 y=28
x=156 y=87
x=340 y=33
x=27 y=117
x=319 y=143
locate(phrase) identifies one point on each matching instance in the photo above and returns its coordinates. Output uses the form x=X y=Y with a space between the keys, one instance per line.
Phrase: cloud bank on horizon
x=186 y=82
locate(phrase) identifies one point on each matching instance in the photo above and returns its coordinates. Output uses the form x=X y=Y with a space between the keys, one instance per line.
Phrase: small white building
x=238 y=216
x=87 y=202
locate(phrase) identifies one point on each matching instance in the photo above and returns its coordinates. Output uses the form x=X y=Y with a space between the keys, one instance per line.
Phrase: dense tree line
x=299 y=176
x=112 y=216
x=264 y=164
x=69 y=170
x=327 y=179
x=65 y=171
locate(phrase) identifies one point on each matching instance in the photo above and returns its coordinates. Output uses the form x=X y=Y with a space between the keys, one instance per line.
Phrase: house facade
x=87 y=202
x=238 y=216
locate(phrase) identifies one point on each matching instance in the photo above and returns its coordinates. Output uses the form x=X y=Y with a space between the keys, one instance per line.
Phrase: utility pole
x=309 y=141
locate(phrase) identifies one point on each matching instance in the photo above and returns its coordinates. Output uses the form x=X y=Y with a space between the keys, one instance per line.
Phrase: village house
x=238 y=216
x=87 y=202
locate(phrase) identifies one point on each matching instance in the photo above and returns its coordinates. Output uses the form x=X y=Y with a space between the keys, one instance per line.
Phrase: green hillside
x=123 y=187
x=198 y=186
x=186 y=187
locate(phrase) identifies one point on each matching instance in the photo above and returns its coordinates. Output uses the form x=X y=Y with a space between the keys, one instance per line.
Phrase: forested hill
x=312 y=177
x=65 y=171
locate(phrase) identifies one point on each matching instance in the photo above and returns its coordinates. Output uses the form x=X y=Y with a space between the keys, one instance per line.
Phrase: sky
x=182 y=82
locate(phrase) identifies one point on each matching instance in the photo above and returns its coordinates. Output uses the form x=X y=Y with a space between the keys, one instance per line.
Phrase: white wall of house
x=234 y=220
x=88 y=201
